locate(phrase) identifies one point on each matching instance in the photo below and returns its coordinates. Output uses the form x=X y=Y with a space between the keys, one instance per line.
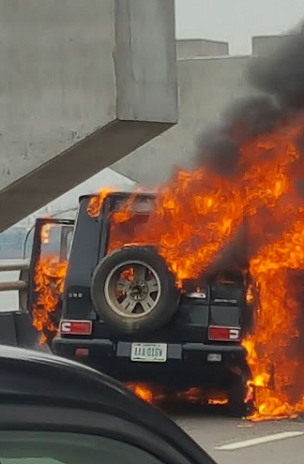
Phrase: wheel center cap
x=138 y=290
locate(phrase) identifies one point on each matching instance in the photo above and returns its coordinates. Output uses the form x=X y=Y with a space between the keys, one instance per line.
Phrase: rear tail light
x=224 y=334
x=76 y=327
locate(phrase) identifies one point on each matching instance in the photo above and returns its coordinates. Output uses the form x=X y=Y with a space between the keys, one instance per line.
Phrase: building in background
x=209 y=79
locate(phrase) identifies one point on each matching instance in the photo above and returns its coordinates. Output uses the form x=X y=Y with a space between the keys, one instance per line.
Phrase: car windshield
x=67 y=448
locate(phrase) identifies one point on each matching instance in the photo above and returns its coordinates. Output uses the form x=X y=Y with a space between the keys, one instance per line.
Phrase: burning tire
x=237 y=406
x=133 y=291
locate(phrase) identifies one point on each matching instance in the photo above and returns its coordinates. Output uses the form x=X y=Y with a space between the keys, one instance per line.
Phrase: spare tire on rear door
x=133 y=290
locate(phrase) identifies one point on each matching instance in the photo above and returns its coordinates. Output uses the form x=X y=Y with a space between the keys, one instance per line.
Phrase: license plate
x=149 y=352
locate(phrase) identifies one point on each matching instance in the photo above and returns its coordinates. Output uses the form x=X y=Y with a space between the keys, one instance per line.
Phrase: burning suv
x=115 y=304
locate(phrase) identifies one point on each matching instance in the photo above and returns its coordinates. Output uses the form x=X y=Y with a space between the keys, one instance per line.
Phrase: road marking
x=258 y=441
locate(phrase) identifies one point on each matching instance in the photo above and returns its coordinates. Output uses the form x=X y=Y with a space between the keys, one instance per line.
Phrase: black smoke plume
x=278 y=84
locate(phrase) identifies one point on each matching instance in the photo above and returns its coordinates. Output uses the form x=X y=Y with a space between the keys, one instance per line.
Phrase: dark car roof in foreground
x=33 y=376
x=36 y=373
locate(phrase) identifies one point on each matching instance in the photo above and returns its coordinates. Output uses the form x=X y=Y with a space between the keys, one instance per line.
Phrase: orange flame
x=274 y=353
x=45 y=233
x=143 y=392
x=96 y=202
x=197 y=214
x=250 y=295
x=49 y=281
x=155 y=394
x=217 y=401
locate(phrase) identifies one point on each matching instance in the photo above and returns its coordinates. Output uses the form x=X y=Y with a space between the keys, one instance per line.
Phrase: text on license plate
x=149 y=352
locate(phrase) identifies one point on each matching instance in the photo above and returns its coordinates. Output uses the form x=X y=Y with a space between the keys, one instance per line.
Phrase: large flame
x=274 y=350
x=198 y=213
x=49 y=282
x=157 y=395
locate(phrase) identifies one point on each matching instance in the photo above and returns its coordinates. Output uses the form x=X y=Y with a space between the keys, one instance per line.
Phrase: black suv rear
x=123 y=313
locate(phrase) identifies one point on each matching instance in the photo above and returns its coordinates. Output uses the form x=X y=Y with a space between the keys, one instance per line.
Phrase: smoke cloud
x=282 y=74
x=278 y=80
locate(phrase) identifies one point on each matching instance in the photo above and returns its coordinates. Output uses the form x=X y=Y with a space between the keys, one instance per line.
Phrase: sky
x=236 y=21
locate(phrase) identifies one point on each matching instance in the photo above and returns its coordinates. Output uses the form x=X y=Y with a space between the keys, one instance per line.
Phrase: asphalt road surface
x=236 y=441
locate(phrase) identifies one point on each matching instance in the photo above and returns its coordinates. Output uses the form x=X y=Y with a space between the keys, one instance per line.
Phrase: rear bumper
x=187 y=363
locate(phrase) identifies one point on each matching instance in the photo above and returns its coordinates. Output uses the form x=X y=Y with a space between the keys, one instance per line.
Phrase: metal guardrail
x=13 y=285
x=19 y=285
x=14 y=265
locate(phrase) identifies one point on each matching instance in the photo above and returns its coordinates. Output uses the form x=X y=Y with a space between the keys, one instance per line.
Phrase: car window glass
x=69 y=241
x=30 y=461
x=126 y=232
x=67 y=448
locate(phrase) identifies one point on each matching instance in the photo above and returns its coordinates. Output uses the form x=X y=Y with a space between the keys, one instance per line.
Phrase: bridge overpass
x=83 y=84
